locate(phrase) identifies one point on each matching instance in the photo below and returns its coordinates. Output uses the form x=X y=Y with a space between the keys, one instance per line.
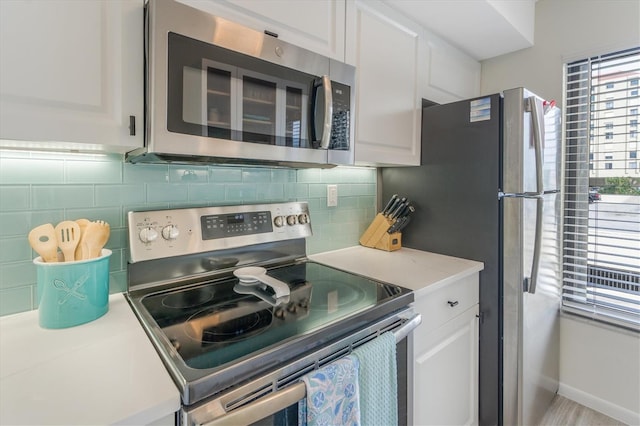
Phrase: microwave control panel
x=341 y=116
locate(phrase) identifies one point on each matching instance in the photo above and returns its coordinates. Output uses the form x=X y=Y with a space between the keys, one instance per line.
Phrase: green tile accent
x=16 y=300
x=93 y=172
x=37 y=188
x=14 y=197
x=61 y=196
x=31 y=171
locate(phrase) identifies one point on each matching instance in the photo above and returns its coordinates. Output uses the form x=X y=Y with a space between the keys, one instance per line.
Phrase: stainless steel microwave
x=219 y=92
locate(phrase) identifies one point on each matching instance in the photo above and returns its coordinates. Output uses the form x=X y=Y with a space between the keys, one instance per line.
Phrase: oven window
x=218 y=93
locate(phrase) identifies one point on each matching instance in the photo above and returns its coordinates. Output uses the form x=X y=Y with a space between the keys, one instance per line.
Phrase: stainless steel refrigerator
x=488 y=189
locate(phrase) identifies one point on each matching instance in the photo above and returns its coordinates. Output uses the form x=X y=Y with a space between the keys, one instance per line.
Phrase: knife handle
x=396 y=213
x=386 y=209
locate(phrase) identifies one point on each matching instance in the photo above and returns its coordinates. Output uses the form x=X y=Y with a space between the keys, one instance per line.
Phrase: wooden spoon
x=43 y=240
x=68 y=235
x=95 y=237
x=83 y=226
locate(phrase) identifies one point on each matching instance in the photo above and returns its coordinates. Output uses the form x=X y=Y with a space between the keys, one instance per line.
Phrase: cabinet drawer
x=440 y=306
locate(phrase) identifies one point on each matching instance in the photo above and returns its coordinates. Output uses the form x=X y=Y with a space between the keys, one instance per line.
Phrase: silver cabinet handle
x=325 y=139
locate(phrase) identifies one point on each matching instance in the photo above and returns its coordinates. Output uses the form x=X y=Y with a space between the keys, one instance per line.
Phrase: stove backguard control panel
x=158 y=234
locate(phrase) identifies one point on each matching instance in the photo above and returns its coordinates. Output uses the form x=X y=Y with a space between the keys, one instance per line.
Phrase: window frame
x=585 y=106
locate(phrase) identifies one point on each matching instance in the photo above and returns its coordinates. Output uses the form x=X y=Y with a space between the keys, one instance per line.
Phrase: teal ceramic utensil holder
x=72 y=293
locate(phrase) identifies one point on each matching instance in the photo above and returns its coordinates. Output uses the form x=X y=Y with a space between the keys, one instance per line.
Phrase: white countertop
x=416 y=270
x=102 y=372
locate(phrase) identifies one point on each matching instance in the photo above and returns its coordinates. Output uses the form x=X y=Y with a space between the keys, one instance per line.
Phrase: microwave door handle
x=325 y=139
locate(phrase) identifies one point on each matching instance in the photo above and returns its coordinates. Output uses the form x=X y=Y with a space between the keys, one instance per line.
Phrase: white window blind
x=601 y=255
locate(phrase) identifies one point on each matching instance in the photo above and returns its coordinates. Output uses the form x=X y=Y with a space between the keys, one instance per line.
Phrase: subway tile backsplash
x=37 y=188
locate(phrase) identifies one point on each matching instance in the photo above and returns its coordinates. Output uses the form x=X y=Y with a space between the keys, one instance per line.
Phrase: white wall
x=564 y=30
x=599 y=365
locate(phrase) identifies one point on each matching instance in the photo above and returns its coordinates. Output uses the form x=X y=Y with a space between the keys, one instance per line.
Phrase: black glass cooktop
x=210 y=325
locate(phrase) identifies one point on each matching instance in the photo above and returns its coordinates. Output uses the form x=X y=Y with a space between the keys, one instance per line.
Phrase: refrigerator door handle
x=534 y=105
x=531 y=283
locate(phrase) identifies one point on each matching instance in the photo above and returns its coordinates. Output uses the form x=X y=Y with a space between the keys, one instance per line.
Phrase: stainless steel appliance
x=237 y=338
x=220 y=92
x=488 y=190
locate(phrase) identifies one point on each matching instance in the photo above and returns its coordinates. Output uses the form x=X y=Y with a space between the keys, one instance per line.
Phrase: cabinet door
x=316 y=25
x=446 y=373
x=385 y=48
x=72 y=72
x=451 y=75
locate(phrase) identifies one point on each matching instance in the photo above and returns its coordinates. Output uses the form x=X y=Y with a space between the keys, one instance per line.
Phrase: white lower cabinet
x=446 y=355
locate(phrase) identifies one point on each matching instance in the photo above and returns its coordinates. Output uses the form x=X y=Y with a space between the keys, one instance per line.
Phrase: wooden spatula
x=96 y=235
x=43 y=240
x=83 y=226
x=68 y=236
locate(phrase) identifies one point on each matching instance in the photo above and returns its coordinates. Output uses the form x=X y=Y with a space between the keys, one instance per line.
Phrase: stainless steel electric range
x=238 y=313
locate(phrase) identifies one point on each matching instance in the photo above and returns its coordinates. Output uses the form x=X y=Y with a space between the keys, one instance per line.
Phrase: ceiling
x=481 y=28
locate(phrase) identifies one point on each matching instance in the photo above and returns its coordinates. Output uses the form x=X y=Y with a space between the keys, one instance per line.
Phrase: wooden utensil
x=68 y=236
x=83 y=226
x=96 y=235
x=43 y=240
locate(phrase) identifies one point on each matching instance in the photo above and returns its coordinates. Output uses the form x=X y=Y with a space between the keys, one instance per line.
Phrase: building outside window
x=601 y=240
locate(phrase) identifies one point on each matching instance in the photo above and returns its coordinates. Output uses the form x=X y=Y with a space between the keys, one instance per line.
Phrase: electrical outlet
x=332 y=195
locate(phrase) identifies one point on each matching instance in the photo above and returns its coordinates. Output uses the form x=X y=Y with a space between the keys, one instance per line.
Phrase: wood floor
x=564 y=412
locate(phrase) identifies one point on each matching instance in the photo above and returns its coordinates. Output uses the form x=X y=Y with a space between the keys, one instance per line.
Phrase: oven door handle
x=263 y=407
x=406 y=328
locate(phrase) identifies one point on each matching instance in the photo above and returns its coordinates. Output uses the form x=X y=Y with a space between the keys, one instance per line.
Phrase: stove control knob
x=303 y=218
x=292 y=307
x=148 y=235
x=292 y=220
x=280 y=313
x=279 y=221
x=170 y=232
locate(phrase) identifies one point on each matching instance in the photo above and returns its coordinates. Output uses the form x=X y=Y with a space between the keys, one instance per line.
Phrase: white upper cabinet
x=316 y=25
x=450 y=74
x=386 y=49
x=71 y=74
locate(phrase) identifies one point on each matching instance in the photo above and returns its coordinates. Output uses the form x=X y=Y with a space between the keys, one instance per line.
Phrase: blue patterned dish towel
x=333 y=396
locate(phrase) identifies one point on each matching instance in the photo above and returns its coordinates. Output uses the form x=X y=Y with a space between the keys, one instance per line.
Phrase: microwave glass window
x=218 y=103
x=221 y=94
x=258 y=110
x=293 y=117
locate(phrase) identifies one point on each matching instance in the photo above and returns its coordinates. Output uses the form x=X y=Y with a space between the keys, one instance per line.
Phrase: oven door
x=273 y=399
x=222 y=91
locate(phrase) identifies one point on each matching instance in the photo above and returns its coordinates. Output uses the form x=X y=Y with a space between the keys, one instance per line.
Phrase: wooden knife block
x=376 y=235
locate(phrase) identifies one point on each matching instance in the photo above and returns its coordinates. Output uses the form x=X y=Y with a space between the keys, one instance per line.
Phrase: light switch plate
x=332 y=195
